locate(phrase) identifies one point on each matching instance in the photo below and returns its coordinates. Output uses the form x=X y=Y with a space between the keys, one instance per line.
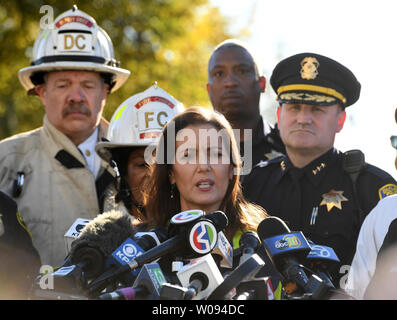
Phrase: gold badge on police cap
x=333 y=199
x=309 y=68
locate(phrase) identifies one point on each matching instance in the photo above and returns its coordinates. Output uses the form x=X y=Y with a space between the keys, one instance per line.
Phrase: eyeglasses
x=393 y=140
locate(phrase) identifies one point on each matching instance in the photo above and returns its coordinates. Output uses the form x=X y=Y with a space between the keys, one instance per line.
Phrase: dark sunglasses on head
x=393 y=140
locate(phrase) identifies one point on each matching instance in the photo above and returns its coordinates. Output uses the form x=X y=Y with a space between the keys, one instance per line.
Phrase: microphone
x=287 y=249
x=69 y=278
x=201 y=276
x=130 y=249
x=320 y=259
x=247 y=270
x=99 y=238
x=255 y=289
x=153 y=237
x=127 y=251
x=147 y=285
x=195 y=238
x=74 y=232
x=249 y=243
x=223 y=251
x=219 y=219
x=127 y=293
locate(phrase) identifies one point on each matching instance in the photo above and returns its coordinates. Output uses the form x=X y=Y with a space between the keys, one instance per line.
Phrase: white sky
x=360 y=34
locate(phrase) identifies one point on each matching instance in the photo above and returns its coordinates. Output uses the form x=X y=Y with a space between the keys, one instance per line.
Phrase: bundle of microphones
x=190 y=260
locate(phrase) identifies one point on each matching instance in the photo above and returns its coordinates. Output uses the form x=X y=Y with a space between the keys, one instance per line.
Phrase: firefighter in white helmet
x=133 y=134
x=53 y=172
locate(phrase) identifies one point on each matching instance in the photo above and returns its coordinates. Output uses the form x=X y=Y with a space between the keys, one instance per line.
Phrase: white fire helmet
x=75 y=42
x=139 y=120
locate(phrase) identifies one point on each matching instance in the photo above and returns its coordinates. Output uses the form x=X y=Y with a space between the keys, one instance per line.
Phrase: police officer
x=315 y=188
x=234 y=87
x=19 y=260
x=372 y=274
x=135 y=125
x=53 y=172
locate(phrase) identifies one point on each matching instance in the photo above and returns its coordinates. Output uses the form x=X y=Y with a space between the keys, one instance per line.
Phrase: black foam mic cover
x=271 y=227
x=219 y=219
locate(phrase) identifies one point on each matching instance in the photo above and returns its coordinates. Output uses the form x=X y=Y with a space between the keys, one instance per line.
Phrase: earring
x=172 y=191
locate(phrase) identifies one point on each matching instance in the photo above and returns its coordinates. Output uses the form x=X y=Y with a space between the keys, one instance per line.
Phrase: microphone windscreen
x=107 y=232
x=272 y=226
x=219 y=219
x=249 y=239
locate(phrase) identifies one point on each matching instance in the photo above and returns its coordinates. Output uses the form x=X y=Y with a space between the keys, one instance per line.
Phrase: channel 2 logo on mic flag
x=203 y=237
x=187 y=216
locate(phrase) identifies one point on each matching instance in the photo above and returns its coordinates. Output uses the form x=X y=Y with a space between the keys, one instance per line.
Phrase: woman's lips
x=205 y=184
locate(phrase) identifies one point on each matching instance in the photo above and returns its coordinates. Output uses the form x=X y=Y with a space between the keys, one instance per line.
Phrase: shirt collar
x=314 y=171
x=87 y=148
x=90 y=142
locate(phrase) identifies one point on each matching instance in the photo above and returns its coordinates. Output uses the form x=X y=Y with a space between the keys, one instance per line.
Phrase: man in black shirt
x=315 y=188
x=234 y=87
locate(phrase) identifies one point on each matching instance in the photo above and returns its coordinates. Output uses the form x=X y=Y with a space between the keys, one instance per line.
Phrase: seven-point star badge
x=333 y=199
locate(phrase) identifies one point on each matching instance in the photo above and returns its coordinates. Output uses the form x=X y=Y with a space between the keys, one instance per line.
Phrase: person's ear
x=278 y=112
x=40 y=90
x=106 y=90
x=262 y=83
x=171 y=177
x=341 y=120
x=231 y=172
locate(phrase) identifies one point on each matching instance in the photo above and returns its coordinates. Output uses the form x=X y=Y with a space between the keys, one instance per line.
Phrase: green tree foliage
x=168 y=41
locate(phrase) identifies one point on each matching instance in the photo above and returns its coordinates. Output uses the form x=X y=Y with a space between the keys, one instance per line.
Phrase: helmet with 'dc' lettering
x=75 y=42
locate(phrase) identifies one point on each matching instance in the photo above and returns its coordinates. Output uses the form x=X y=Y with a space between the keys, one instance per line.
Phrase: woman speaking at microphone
x=198 y=167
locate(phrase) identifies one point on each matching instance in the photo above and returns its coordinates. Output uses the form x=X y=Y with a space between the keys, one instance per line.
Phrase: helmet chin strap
x=124 y=194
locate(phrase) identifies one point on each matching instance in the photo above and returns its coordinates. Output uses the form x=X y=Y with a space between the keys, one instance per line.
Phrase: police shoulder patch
x=387 y=190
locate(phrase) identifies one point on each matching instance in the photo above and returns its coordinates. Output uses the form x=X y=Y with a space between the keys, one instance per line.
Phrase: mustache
x=76 y=107
x=231 y=93
x=303 y=127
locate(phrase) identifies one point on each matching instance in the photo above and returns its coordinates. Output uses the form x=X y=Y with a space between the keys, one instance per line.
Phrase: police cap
x=314 y=79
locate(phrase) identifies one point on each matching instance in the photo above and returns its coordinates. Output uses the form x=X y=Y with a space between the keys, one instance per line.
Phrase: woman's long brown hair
x=159 y=204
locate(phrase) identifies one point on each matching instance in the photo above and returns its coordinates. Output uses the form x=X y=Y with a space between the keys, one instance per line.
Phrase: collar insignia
x=333 y=199
x=318 y=168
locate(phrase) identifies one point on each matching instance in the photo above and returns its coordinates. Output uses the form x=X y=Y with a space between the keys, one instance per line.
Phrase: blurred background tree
x=168 y=41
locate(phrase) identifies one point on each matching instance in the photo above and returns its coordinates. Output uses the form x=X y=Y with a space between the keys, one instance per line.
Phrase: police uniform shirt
x=318 y=199
x=266 y=143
